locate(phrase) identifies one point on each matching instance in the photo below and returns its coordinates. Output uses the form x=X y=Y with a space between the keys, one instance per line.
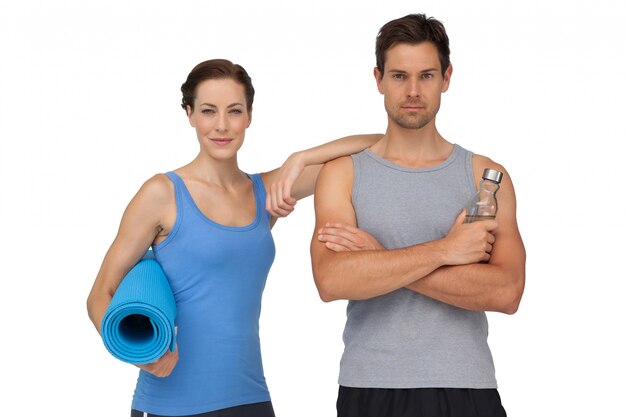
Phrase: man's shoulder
x=341 y=164
x=336 y=174
x=480 y=162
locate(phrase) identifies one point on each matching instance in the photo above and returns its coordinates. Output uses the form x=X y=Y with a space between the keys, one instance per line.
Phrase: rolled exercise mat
x=138 y=326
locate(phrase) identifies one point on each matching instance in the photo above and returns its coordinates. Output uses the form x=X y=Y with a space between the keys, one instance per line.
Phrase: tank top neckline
x=196 y=209
x=453 y=155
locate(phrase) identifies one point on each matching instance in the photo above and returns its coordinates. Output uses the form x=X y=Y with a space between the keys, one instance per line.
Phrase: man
x=416 y=331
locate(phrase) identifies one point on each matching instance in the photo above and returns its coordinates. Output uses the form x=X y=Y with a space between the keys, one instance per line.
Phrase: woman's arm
x=296 y=178
x=141 y=224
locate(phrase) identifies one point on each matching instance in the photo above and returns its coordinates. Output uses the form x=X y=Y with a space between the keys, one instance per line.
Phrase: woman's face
x=220 y=117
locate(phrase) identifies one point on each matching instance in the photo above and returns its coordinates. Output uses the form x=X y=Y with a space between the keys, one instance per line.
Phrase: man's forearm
x=370 y=273
x=481 y=287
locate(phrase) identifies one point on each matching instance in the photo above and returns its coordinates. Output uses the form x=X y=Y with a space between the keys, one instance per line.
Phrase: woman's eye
x=208 y=111
x=236 y=111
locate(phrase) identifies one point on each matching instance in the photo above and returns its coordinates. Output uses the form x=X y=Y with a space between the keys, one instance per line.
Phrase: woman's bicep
x=140 y=224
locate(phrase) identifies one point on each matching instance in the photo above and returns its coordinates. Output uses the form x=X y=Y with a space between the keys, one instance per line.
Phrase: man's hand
x=465 y=243
x=341 y=237
x=468 y=243
x=163 y=366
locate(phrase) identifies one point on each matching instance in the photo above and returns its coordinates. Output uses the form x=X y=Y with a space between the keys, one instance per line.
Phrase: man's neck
x=414 y=148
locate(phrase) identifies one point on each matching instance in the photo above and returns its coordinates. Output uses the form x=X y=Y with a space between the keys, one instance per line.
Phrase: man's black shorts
x=419 y=402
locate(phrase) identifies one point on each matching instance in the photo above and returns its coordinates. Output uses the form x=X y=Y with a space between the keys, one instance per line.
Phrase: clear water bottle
x=483 y=205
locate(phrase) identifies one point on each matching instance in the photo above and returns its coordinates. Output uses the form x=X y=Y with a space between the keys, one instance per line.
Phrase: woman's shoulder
x=157 y=189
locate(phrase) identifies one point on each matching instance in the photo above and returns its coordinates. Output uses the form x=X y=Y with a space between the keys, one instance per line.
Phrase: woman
x=209 y=224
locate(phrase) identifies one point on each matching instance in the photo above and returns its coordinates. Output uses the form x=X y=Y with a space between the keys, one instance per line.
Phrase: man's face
x=412 y=84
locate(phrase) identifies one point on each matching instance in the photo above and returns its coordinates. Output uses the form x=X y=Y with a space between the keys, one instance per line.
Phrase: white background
x=89 y=109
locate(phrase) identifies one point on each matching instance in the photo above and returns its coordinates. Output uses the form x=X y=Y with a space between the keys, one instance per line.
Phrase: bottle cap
x=492 y=175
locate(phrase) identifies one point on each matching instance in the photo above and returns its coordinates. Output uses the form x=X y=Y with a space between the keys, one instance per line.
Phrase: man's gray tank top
x=403 y=339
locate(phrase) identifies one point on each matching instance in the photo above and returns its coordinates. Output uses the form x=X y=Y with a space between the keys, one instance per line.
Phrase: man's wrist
x=437 y=253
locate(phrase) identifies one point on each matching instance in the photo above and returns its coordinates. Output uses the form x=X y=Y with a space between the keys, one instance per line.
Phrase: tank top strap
x=179 y=190
x=467 y=158
x=259 y=195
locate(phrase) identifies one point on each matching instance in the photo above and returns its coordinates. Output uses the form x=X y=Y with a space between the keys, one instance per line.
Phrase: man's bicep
x=508 y=249
x=333 y=197
x=333 y=193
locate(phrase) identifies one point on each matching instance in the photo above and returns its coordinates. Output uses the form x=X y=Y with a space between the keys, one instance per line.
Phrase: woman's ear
x=189 y=114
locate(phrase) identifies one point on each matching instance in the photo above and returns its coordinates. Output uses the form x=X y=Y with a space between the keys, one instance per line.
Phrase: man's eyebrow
x=397 y=71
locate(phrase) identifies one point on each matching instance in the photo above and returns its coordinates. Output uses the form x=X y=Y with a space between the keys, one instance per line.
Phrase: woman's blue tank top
x=217 y=274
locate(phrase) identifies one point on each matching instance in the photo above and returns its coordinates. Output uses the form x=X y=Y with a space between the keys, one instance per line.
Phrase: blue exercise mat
x=138 y=326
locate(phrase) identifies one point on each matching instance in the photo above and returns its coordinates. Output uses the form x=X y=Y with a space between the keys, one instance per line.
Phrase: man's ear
x=379 y=80
x=446 y=79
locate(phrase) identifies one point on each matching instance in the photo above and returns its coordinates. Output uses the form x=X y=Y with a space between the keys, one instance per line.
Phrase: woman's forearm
x=339 y=147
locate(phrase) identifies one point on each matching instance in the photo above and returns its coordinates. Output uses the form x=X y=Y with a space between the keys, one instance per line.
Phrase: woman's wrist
x=301 y=158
